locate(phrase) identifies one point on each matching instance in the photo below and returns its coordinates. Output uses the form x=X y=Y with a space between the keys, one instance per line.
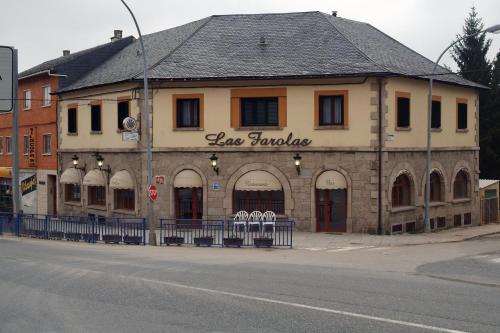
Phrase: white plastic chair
x=269 y=218
x=255 y=218
x=240 y=219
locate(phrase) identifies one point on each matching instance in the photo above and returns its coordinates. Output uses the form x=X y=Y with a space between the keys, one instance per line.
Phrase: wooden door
x=331 y=210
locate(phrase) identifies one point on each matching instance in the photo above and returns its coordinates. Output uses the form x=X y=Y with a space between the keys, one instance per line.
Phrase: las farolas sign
x=256 y=139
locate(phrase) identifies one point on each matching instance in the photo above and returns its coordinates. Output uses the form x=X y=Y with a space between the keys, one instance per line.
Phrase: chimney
x=334 y=13
x=66 y=53
x=117 y=35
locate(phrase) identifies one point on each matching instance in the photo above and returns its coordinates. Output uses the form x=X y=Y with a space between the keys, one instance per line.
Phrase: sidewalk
x=319 y=241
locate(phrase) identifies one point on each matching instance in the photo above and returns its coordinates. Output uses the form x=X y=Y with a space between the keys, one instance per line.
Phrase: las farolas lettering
x=256 y=139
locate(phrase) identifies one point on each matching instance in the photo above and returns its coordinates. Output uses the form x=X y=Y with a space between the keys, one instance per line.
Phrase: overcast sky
x=40 y=30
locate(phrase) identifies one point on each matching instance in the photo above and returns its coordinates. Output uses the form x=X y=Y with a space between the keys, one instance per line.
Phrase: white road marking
x=313 y=248
x=304 y=306
x=349 y=248
x=496 y=260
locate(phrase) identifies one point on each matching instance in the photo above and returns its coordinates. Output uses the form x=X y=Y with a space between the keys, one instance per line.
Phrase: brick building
x=318 y=118
x=38 y=134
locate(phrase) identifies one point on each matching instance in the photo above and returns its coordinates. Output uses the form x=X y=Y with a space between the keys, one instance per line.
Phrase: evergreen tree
x=470 y=54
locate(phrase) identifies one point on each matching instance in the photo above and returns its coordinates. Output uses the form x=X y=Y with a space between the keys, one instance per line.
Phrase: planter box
x=73 y=236
x=173 y=240
x=111 y=239
x=136 y=240
x=263 y=242
x=233 y=242
x=56 y=235
x=88 y=237
x=203 y=241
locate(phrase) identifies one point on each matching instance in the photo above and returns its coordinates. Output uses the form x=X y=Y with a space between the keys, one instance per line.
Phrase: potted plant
x=73 y=236
x=112 y=238
x=88 y=237
x=132 y=239
x=233 y=242
x=263 y=242
x=203 y=241
x=173 y=240
x=56 y=234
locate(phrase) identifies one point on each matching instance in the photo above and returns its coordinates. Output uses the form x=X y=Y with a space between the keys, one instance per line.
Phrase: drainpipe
x=380 y=142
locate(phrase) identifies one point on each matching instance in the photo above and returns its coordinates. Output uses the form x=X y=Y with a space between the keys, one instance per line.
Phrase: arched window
x=461 y=185
x=401 y=191
x=258 y=190
x=123 y=187
x=436 y=185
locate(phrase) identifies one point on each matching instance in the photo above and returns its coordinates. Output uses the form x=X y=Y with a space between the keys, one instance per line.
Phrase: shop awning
x=258 y=181
x=94 y=178
x=188 y=178
x=5 y=172
x=331 y=180
x=70 y=176
x=122 y=180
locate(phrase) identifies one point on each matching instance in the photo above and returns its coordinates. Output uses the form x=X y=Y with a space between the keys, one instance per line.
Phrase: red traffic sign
x=152 y=192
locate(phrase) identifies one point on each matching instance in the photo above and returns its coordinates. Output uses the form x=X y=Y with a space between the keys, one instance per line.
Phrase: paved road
x=50 y=286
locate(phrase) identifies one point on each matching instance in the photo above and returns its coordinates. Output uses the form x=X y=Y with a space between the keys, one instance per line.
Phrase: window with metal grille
x=467 y=219
x=401 y=191
x=403 y=112
x=462 y=116
x=436 y=115
x=259 y=111
x=124 y=199
x=331 y=110
x=259 y=200
x=95 y=118
x=457 y=220
x=72 y=193
x=96 y=195
x=188 y=112
x=123 y=112
x=72 y=121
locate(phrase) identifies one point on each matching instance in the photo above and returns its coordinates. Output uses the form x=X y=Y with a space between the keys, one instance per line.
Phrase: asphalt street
x=51 y=286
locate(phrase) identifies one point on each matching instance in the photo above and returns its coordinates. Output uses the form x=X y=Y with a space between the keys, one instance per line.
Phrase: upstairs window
x=27 y=99
x=1 y=145
x=72 y=121
x=436 y=114
x=332 y=110
x=402 y=110
x=46 y=96
x=188 y=112
x=259 y=111
x=123 y=112
x=95 y=118
x=26 y=145
x=47 y=144
x=461 y=115
x=8 y=145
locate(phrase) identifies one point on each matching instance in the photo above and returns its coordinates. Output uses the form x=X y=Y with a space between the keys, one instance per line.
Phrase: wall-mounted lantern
x=296 y=160
x=100 y=163
x=213 y=160
x=76 y=162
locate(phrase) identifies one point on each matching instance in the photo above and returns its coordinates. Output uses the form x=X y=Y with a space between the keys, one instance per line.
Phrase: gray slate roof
x=76 y=65
x=298 y=45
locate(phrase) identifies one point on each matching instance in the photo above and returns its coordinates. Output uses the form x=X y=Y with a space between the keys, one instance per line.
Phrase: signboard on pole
x=152 y=192
x=6 y=79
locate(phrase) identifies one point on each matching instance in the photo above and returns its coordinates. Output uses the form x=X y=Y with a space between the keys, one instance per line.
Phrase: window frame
x=467 y=194
x=119 y=100
x=8 y=145
x=44 y=146
x=98 y=189
x=1 y=145
x=26 y=145
x=67 y=198
x=318 y=94
x=466 y=102
x=201 y=111
x=407 y=95
x=439 y=187
x=27 y=100
x=238 y=94
x=437 y=99
x=46 y=102
x=397 y=188
x=71 y=107
x=252 y=112
x=92 y=105
x=116 y=206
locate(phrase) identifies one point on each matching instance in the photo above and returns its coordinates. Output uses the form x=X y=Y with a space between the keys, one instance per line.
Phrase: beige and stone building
x=317 y=118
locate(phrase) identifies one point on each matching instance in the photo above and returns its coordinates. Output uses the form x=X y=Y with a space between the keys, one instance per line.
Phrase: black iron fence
x=259 y=234
x=84 y=228
x=8 y=224
x=199 y=232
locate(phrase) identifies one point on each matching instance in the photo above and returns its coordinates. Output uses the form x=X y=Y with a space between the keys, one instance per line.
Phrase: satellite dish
x=130 y=124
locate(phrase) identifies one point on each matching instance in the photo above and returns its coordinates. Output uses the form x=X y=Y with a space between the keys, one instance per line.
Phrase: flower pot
x=233 y=242
x=263 y=242
x=136 y=240
x=173 y=240
x=88 y=237
x=204 y=241
x=112 y=239
x=56 y=234
x=73 y=236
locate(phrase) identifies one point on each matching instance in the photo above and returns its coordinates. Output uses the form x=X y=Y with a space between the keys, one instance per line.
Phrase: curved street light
x=493 y=29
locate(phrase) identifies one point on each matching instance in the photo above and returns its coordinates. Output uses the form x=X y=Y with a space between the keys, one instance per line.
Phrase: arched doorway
x=188 y=193
x=258 y=190
x=331 y=202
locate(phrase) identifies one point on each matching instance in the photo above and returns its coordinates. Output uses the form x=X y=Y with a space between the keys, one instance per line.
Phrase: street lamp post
x=493 y=29
x=149 y=156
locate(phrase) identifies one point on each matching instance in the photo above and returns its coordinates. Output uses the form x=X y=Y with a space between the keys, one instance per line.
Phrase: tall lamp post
x=149 y=156
x=493 y=29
